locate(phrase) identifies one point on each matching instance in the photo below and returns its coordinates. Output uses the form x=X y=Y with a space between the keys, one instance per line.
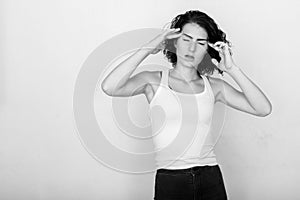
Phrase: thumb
x=214 y=61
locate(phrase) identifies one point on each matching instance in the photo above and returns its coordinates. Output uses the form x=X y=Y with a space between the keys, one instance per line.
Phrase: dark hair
x=214 y=34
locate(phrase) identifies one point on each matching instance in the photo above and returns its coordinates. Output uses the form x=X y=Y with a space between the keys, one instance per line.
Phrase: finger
x=223 y=46
x=226 y=49
x=170 y=31
x=174 y=35
x=219 y=43
x=167 y=25
x=212 y=46
x=173 y=29
x=167 y=30
x=214 y=61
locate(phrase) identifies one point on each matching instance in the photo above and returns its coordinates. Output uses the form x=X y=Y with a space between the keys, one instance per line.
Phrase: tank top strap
x=206 y=82
x=207 y=85
x=164 y=80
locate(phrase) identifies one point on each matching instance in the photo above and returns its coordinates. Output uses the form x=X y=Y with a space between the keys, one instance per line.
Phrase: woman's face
x=192 y=45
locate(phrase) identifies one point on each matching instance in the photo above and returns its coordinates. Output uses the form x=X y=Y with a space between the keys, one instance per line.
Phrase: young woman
x=189 y=44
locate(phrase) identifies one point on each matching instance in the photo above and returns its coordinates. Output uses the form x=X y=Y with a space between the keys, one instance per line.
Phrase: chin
x=192 y=65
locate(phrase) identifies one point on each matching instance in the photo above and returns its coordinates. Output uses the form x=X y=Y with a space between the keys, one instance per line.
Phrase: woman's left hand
x=226 y=63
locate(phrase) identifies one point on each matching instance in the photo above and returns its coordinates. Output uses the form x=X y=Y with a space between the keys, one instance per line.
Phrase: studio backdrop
x=52 y=63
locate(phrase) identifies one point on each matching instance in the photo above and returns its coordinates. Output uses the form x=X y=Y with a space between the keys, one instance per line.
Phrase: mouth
x=189 y=57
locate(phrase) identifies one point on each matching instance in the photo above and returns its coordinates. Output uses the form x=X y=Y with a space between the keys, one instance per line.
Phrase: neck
x=188 y=74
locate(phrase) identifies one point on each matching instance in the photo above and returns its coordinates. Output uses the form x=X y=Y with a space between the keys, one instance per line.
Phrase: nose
x=192 y=46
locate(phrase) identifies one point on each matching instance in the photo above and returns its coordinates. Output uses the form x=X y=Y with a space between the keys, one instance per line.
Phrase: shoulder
x=217 y=85
x=150 y=76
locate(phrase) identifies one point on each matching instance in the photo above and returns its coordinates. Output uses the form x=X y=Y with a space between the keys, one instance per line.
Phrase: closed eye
x=187 y=40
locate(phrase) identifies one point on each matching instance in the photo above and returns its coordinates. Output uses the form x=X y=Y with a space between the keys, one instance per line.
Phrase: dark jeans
x=196 y=183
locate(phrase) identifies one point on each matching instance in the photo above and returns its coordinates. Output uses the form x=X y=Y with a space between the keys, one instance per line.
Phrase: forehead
x=194 y=30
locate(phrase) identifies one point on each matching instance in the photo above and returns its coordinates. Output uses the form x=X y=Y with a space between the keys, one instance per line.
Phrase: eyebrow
x=199 y=39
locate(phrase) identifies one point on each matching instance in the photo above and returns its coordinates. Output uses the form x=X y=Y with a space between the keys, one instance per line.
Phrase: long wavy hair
x=214 y=34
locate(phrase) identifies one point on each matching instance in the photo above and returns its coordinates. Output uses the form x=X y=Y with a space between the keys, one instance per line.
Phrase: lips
x=190 y=57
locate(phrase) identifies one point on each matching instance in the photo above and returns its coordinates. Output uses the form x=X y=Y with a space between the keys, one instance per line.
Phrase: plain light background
x=42 y=47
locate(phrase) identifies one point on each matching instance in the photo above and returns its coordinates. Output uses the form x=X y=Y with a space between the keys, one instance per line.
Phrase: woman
x=191 y=42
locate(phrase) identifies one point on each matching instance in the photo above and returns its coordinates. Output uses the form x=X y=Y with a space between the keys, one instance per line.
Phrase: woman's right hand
x=158 y=43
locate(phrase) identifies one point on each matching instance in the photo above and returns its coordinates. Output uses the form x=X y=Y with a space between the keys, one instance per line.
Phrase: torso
x=175 y=119
x=177 y=85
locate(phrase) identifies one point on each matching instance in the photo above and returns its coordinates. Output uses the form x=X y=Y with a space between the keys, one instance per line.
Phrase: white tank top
x=181 y=126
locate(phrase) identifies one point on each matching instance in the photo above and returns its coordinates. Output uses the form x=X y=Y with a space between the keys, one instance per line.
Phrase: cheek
x=202 y=48
x=181 y=45
x=182 y=48
x=201 y=52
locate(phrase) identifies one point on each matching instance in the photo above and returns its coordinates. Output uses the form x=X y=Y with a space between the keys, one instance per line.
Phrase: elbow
x=265 y=112
x=106 y=90
x=111 y=91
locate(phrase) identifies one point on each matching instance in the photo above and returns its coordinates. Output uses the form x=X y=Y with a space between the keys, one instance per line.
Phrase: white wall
x=44 y=44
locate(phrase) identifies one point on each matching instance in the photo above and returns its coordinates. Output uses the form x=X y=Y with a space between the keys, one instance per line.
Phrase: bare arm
x=251 y=92
x=119 y=81
x=250 y=99
x=120 y=75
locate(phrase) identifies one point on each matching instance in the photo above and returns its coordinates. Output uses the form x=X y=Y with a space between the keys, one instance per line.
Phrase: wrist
x=233 y=70
x=149 y=48
x=154 y=46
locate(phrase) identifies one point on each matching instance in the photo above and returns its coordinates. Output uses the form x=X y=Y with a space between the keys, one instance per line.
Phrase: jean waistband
x=195 y=169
